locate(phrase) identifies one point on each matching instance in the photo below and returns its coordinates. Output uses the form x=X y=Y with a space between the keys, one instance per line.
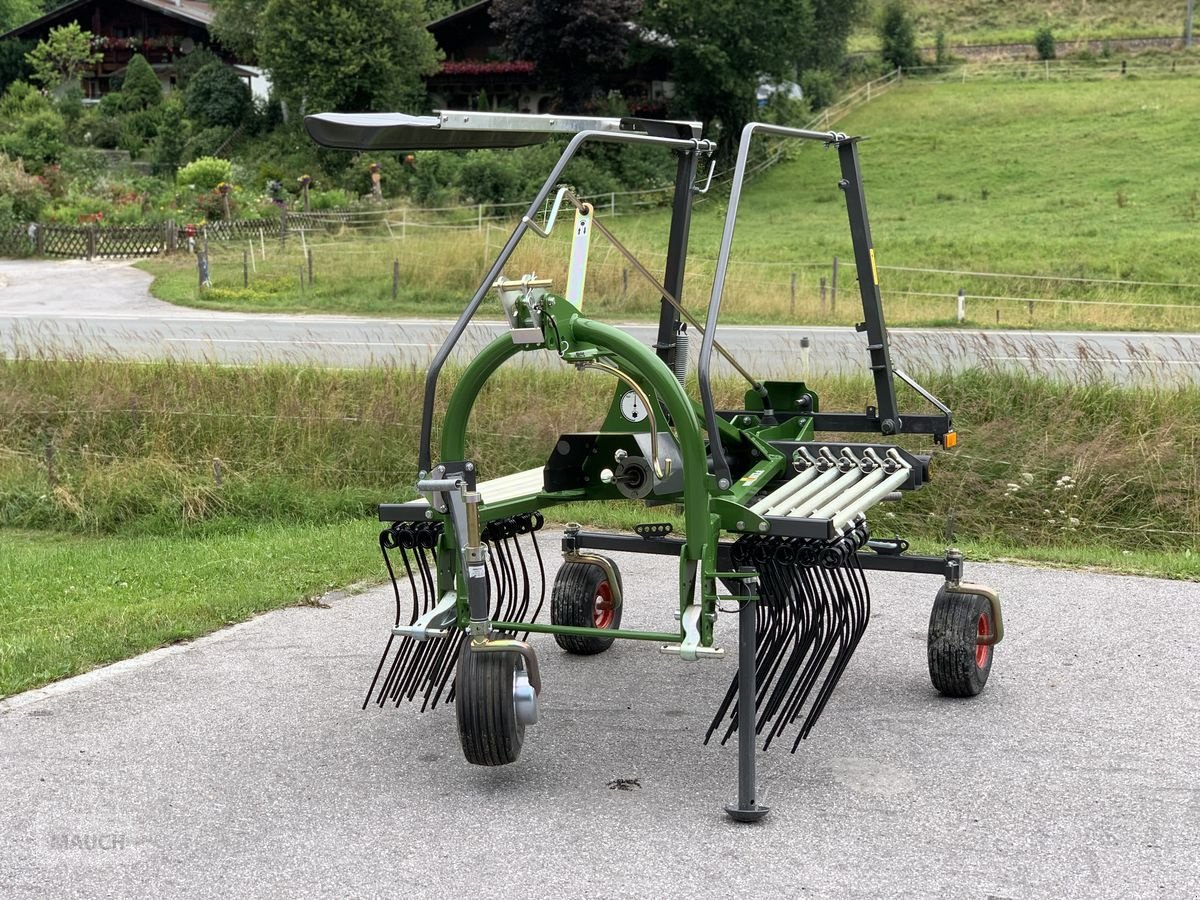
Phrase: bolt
x=763 y=526
x=741 y=526
x=470 y=467
x=723 y=484
x=429 y=513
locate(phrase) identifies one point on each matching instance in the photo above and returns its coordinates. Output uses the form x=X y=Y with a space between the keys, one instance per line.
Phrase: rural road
x=242 y=765
x=76 y=307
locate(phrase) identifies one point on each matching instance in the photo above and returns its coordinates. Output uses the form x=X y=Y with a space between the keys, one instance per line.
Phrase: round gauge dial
x=632 y=407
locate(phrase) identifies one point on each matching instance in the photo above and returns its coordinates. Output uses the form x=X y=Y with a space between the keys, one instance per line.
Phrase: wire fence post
x=962 y=305
x=253 y=264
x=822 y=291
x=612 y=205
x=395 y=279
x=51 y=474
x=833 y=287
x=218 y=474
x=624 y=282
x=310 y=266
x=793 y=306
x=480 y=225
x=245 y=269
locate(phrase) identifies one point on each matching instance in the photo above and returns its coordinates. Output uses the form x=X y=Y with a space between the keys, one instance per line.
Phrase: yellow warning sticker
x=874 y=268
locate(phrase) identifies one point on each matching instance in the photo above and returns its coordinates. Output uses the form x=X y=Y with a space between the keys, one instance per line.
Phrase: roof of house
x=464 y=13
x=197 y=12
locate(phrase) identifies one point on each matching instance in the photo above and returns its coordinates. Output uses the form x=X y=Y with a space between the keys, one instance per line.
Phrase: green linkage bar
x=583 y=631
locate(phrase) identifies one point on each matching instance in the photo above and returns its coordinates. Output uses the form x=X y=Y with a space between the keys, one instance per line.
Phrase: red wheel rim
x=602 y=610
x=983 y=651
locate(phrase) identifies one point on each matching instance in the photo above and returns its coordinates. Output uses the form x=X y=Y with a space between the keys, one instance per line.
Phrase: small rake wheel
x=489 y=728
x=958 y=664
x=583 y=597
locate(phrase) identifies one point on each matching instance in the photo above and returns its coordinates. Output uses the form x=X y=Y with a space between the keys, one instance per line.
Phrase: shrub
x=334 y=199
x=141 y=86
x=204 y=174
x=69 y=104
x=819 y=88
x=206 y=141
x=1043 y=42
x=487 y=178
x=101 y=131
x=215 y=95
x=20 y=100
x=22 y=196
x=84 y=166
x=187 y=66
x=898 y=43
x=167 y=150
x=38 y=139
x=941 y=55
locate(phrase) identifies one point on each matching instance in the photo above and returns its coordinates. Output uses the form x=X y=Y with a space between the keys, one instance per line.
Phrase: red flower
x=514 y=67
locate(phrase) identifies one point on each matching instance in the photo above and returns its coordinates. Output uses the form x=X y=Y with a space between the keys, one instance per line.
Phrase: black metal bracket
x=949 y=566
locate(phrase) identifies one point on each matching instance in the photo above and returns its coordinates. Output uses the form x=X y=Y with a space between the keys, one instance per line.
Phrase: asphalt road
x=78 y=307
x=241 y=765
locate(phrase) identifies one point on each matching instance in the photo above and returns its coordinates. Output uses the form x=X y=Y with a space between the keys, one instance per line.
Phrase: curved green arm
x=462 y=399
x=643 y=364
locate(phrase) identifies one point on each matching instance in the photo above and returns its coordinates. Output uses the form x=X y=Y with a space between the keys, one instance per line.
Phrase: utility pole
x=1187 y=25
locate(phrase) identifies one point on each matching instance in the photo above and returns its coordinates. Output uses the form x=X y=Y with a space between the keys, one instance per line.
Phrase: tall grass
x=101 y=447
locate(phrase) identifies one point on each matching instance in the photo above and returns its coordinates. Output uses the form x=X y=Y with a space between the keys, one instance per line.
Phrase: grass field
x=72 y=602
x=1015 y=21
x=120 y=531
x=1091 y=180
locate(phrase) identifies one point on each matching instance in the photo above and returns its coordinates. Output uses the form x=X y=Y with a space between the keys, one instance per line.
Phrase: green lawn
x=1095 y=179
x=69 y=603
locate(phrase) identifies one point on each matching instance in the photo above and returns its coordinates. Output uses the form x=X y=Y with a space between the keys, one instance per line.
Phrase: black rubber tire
x=958 y=667
x=488 y=727
x=573 y=602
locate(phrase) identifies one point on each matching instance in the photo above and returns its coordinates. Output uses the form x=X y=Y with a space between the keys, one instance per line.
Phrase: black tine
x=404 y=647
x=495 y=581
x=455 y=645
x=861 y=600
x=523 y=607
x=541 y=579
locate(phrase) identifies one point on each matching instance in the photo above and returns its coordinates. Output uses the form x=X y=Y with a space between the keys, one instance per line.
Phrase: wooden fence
x=97 y=241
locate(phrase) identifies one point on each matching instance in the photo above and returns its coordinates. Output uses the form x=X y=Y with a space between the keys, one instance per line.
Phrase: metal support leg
x=746 y=810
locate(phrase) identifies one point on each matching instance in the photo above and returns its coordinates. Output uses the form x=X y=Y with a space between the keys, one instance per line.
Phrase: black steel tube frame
x=695 y=146
x=860 y=232
x=746 y=810
x=950 y=569
x=677 y=246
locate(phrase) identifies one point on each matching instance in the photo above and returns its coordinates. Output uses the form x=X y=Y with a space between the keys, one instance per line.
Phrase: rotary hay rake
x=793 y=505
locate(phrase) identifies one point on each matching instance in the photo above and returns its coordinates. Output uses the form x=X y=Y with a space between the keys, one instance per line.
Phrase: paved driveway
x=241 y=765
x=105 y=309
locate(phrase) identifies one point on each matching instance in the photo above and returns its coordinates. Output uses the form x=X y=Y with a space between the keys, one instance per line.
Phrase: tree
x=13 y=64
x=722 y=49
x=18 y=12
x=897 y=41
x=235 y=27
x=217 y=96
x=823 y=46
x=574 y=45
x=65 y=53
x=141 y=86
x=348 y=55
x=1044 y=43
